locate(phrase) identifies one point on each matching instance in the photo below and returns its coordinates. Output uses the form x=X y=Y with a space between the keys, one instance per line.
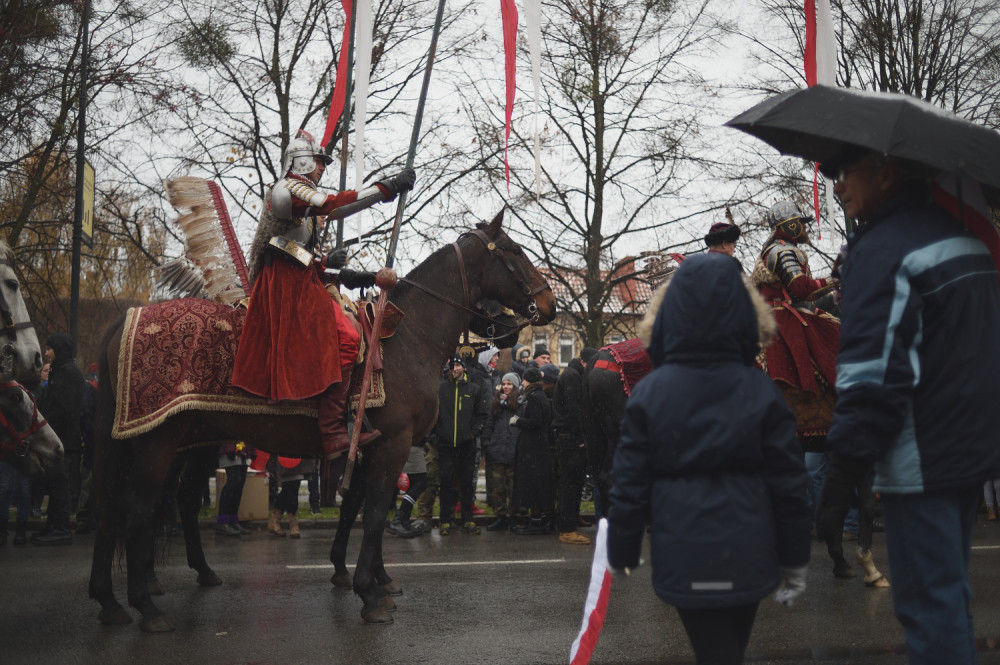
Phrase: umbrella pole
x=387 y=281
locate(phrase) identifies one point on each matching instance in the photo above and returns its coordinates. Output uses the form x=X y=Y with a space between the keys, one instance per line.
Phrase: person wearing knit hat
x=550 y=374
x=531 y=375
x=532 y=463
x=499 y=443
x=722 y=236
x=570 y=421
x=542 y=356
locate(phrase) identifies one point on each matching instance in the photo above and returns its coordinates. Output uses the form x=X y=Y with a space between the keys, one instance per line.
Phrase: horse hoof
x=387 y=603
x=342 y=580
x=209 y=578
x=392 y=589
x=115 y=617
x=377 y=615
x=158 y=624
x=879 y=582
x=154 y=588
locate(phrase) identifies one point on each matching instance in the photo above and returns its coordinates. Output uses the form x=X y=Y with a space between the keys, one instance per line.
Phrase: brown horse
x=436 y=296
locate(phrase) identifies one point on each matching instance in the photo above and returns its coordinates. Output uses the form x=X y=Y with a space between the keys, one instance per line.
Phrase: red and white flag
x=821 y=67
x=340 y=85
x=596 y=606
x=963 y=198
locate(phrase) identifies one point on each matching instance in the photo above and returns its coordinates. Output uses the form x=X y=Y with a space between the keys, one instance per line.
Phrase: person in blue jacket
x=916 y=387
x=708 y=455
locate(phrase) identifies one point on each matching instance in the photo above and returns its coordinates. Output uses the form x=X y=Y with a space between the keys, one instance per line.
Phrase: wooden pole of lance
x=386 y=277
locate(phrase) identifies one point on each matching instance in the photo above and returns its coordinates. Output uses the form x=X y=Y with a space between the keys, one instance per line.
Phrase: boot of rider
x=293 y=527
x=333 y=420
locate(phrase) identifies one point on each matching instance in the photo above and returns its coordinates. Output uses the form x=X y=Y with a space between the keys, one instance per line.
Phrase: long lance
x=346 y=117
x=386 y=278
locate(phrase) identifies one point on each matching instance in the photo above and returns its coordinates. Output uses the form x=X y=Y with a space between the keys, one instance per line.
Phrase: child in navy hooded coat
x=709 y=459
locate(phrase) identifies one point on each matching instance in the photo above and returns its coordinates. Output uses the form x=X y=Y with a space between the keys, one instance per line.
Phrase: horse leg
x=365 y=583
x=149 y=469
x=349 y=509
x=112 y=613
x=200 y=465
x=382 y=578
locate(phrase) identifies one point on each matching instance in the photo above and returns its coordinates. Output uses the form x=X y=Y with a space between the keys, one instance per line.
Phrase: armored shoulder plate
x=281 y=200
x=786 y=261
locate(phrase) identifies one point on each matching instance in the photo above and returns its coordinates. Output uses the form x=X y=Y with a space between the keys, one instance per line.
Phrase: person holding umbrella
x=918 y=358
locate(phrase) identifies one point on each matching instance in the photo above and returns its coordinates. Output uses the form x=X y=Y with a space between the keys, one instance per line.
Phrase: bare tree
x=622 y=151
x=946 y=52
x=268 y=68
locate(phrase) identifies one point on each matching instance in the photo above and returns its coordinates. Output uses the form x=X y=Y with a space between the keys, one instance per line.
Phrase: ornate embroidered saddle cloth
x=178 y=356
x=630 y=361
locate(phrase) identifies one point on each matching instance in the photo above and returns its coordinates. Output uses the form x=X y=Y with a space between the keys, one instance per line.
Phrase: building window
x=538 y=340
x=567 y=342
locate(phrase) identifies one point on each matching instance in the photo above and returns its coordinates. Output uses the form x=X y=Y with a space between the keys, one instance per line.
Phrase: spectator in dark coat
x=569 y=423
x=521 y=355
x=60 y=405
x=532 y=465
x=461 y=418
x=500 y=446
x=708 y=453
x=916 y=388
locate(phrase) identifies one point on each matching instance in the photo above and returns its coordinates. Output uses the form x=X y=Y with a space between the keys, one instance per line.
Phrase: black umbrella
x=816 y=123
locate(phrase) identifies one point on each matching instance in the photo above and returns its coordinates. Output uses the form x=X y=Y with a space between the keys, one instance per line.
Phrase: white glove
x=793 y=583
x=513 y=420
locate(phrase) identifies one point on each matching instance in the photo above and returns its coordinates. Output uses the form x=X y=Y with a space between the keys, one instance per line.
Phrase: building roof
x=630 y=296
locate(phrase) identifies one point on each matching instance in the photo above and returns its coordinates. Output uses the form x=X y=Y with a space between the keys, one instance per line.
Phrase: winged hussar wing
x=210 y=244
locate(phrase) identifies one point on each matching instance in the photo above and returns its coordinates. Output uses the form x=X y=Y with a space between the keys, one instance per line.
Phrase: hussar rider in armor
x=803 y=355
x=297 y=343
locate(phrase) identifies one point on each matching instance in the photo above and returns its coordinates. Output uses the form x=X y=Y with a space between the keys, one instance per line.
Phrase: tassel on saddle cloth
x=178 y=356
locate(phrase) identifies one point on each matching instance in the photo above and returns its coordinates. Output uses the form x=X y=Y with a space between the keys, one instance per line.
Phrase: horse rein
x=492 y=248
x=10 y=328
x=18 y=443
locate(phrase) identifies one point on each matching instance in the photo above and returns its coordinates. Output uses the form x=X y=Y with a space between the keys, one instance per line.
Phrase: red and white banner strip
x=820 y=67
x=340 y=85
x=533 y=31
x=508 y=13
x=596 y=606
x=362 y=67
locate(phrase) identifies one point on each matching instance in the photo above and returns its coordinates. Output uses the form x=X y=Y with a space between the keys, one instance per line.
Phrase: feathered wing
x=210 y=244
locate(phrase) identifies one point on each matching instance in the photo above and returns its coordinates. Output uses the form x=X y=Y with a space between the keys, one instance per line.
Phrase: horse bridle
x=18 y=443
x=523 y=285
x=10 y=328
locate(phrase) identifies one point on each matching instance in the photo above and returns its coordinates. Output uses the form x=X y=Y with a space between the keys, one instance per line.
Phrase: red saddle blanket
x=178 y=356
x=631 y=361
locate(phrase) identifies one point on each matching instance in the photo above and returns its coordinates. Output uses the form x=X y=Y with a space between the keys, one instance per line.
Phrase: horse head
x=510 y=278
x=26 y=440
x=495 y=322
x=20 y=354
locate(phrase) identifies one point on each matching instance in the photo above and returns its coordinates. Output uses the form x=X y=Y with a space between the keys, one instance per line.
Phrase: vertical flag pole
x=386 y=278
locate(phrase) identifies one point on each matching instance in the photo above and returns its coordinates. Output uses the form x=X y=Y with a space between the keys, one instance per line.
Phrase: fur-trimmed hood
x=701 y=311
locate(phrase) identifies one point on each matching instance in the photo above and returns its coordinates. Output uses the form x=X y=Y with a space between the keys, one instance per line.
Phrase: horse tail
x=110 y=456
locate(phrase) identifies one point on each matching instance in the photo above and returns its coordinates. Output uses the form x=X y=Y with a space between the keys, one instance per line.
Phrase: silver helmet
x=788 y=216
x=301 y=155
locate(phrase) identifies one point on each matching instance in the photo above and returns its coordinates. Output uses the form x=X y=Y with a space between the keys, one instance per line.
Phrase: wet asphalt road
x=493 y=598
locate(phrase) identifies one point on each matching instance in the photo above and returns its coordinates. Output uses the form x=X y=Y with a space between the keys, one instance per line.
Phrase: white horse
x=26 y=441
x=20 y=354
